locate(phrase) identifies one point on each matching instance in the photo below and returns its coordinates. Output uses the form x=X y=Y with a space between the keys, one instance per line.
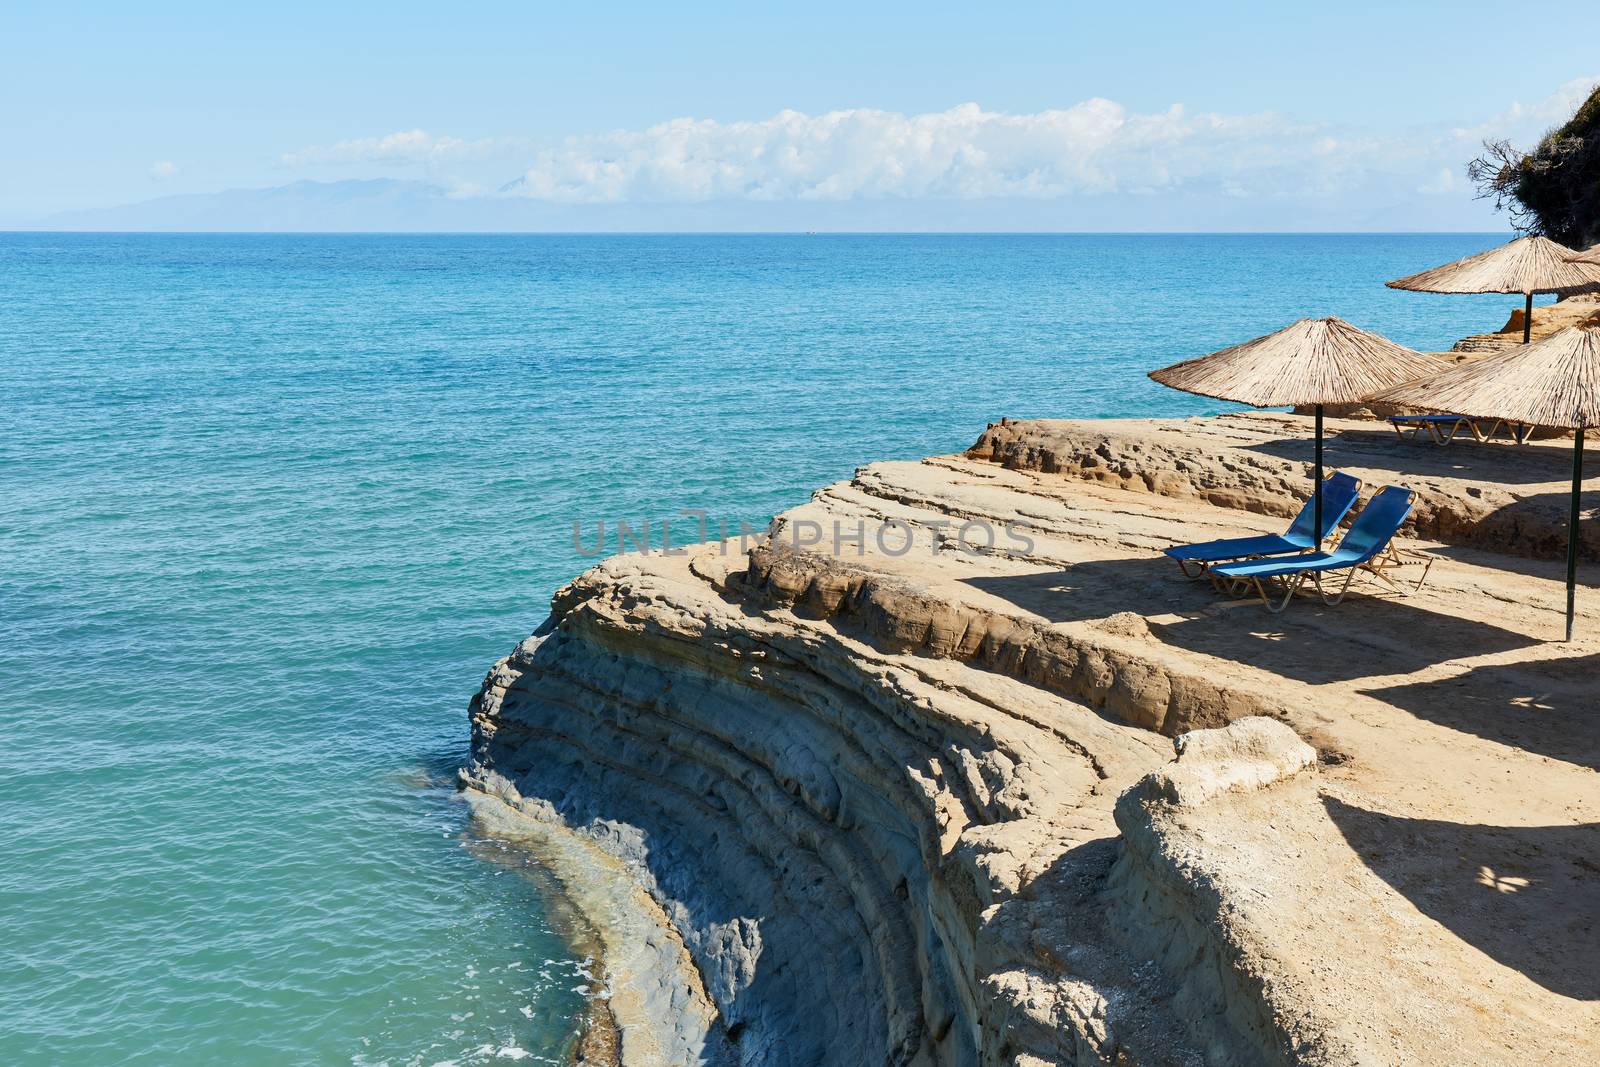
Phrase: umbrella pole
x=1318 y=512
x=1527 y=320
x=1572 y=527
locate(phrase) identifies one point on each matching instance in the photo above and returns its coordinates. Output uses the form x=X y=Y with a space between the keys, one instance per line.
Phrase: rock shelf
x=1007 y=789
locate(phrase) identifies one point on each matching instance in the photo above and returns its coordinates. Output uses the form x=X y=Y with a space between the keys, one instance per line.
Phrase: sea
x=271 y=505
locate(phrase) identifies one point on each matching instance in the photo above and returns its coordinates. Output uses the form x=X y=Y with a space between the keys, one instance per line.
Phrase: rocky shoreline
x=651 y=1002
x=926 y=807
x=575 y=903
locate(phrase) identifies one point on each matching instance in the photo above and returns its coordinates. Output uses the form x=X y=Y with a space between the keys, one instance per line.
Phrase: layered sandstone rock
x=1580 y=310
x=868 y=786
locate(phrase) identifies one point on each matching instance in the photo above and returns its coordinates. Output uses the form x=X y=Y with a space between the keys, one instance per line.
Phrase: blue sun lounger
x=1339 y=493
x=1366 y=548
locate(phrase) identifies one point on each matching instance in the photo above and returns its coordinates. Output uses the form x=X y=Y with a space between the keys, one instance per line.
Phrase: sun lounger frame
x=1443 y=428
x=1378 y=568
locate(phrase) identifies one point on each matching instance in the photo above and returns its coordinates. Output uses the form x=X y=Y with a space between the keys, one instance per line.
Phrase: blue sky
x=1069 y=114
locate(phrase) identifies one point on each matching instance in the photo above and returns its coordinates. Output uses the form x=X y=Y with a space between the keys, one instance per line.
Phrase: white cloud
x=1523 y=123
x=1093 y=148
x=1442 y=183
x=163 y=169
x=965 y=153
x=405 y=148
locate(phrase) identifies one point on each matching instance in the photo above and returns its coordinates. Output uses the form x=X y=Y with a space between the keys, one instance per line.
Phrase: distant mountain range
x=388 y=205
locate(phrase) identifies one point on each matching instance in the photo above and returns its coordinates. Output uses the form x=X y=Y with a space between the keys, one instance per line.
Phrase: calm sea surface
x=271 y=505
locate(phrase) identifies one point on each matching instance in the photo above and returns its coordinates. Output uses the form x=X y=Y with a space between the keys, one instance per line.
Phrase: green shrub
x=1554 y=190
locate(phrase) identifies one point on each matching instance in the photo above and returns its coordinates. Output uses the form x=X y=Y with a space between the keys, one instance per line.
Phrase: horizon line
x=755 y=233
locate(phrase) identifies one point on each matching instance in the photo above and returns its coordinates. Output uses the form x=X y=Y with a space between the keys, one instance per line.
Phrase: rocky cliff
x=1582 y=309
x=900 y=784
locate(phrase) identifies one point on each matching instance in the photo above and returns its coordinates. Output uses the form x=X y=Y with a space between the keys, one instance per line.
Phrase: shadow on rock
x=1364 y=636
x=1533 y=525
x=1497 y=462
x=1548 y=707
x=1370 y=633
x=1098 y=589
x=1551 y=569
x=1120 y=1005
x=1536 y=526
x=1527 y=896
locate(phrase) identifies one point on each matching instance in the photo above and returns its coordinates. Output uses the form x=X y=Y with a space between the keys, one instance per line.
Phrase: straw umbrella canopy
x=1527 y=265
x=1311 y=363
x=1552 y=382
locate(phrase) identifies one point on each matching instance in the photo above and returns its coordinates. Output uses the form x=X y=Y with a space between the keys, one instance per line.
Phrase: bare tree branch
x=1553 y=190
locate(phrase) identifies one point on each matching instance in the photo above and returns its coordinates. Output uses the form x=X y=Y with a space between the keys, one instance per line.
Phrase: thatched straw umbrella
x=1527 y=265
x=1312 y=363
x=1553 y=382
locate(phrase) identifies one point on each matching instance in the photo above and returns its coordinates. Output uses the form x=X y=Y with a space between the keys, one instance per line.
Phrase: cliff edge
x=954 y=768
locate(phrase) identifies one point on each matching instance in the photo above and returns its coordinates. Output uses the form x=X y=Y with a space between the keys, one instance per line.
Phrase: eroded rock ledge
x=1507 y=499
x=873 y=796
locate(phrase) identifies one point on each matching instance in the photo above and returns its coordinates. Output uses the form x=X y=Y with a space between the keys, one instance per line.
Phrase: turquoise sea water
x=271 y=505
